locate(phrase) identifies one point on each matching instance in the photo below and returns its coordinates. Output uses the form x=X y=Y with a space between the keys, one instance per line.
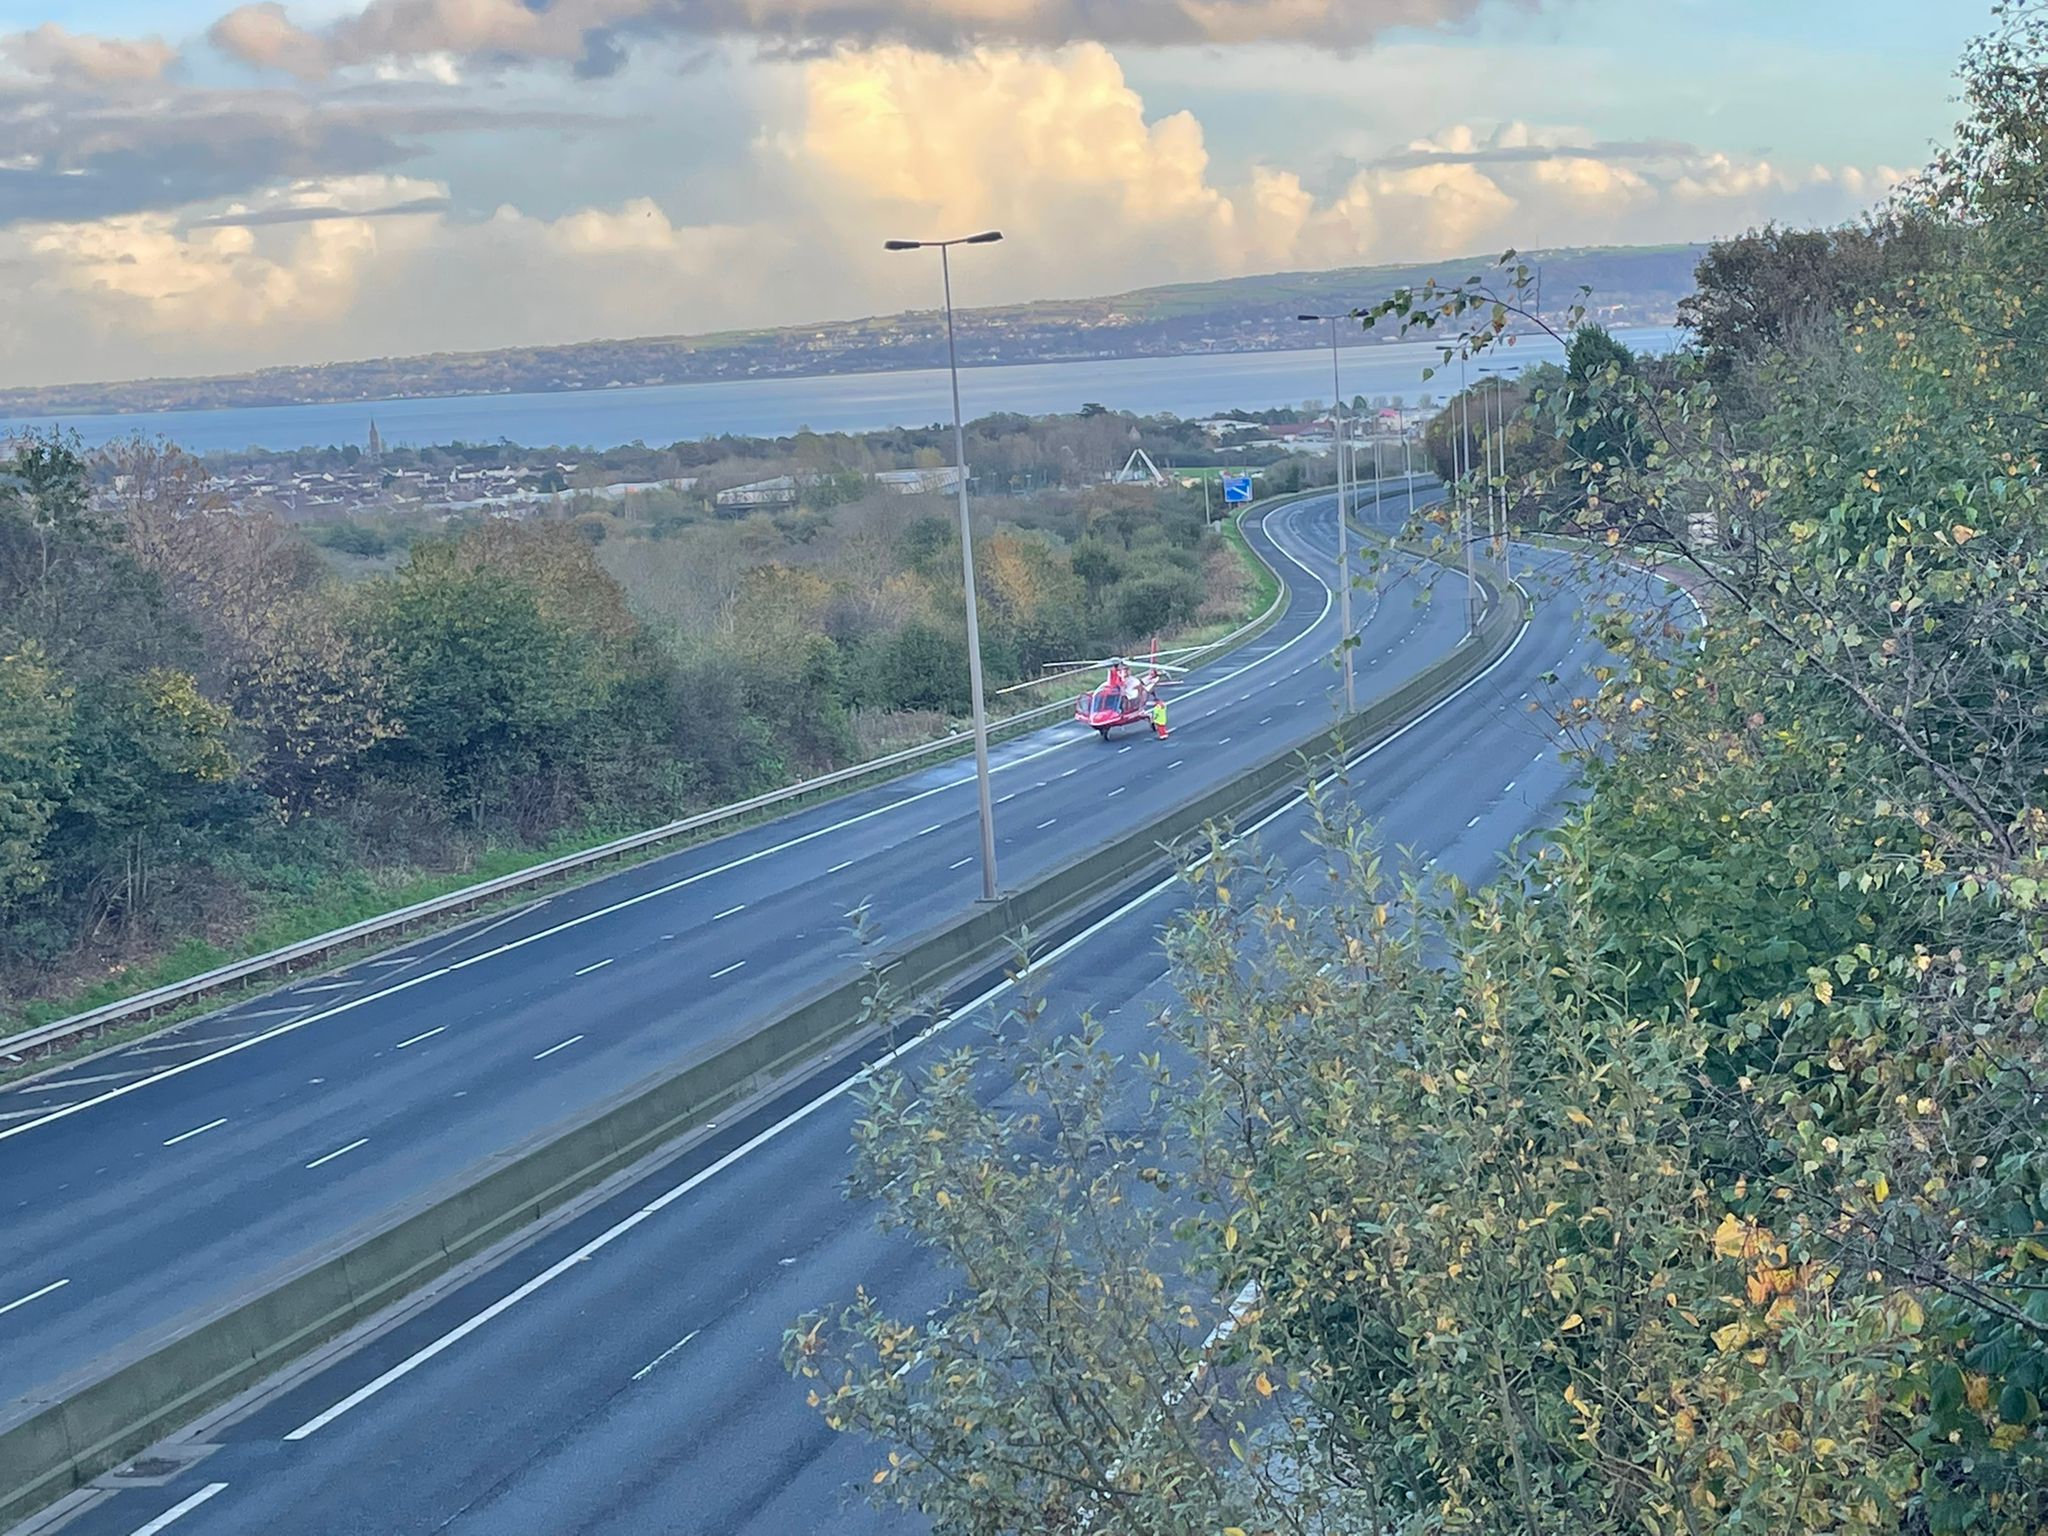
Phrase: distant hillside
x=1631 y=285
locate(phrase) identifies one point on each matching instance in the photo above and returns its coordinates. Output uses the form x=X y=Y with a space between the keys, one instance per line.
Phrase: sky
x=193 y=186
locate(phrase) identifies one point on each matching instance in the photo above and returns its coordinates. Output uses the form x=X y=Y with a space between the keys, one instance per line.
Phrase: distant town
x=1618 y=286
x=732 y=476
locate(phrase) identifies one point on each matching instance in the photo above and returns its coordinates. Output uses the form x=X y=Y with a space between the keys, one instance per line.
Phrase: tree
x=36 y=767
x=1603 y=435
x=154 y=781
x=488 y=690
x=278 y=651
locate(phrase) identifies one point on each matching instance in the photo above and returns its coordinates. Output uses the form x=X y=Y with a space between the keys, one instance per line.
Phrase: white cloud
x=74 y=58
x=564 y=30
x=1054 y=147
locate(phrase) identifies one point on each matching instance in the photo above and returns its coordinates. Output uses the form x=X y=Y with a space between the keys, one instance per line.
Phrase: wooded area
x=214 y=732
x=1692 y=1177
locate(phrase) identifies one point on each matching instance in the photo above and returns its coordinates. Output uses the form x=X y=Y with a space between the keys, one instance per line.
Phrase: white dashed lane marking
x=360 y=1141
x=197 y=1130
x=54 y=1285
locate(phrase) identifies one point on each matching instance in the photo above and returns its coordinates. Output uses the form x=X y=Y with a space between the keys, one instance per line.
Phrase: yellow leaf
x=1730 y=1337
x=1233 y=1530
x=1264 y=1384
x=1962 y=534
x=945 y=1201
x=1825 y=991
x=1570 y=1323
x=1579 y=1117
x=1230 y=1239
x=882 y=1476
x=1882 y=1189
x=1429 y=1084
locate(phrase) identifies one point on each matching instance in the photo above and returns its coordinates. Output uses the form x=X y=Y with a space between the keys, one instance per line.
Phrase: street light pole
x=1343 y=528
x=1507 y=532
x=1465 y=479
x=988 y=818
x=1408 y=468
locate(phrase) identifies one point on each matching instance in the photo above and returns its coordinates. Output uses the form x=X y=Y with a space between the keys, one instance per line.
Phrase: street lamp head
x=986 y=237
x=1309 y=317
x=902 y=245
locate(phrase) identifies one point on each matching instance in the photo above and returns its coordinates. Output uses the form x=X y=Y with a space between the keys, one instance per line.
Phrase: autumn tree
x=280 y=652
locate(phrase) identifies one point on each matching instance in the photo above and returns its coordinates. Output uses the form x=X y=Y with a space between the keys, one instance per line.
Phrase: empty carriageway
x=622 y=1373
x=164 y=1181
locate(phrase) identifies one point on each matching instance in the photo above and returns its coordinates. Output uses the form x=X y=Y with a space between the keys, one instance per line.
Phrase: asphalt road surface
x=155 y=1185
x=621 y=1374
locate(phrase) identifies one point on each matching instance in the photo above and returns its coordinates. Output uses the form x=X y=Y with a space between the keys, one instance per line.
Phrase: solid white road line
x=54 y=1285
x=831 y=1095
x=728 y=912
x=598 y=966
x=1006 y=799
x=563 y=1046
x=1329 y=599
x=331 y=986
x=728 y=970
x=416 y=1039
x=197 y=1130
x=179 y=1510
x=360 y=1141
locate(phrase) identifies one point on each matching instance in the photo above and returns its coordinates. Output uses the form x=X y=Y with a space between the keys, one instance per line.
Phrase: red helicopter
x=1126 y=695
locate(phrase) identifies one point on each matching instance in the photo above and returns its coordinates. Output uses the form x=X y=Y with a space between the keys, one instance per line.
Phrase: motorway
x=157 y=1184
x=621 y=1373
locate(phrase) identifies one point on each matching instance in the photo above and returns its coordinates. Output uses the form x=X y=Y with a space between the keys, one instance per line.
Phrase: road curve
x=155 y=1185
x=621 y=1374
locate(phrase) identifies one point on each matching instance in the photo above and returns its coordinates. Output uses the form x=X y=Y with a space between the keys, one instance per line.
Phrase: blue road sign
x=1236 y=488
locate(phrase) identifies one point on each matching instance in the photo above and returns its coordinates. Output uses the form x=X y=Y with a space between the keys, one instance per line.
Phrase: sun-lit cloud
x=52 y=53
x=264 y=34
x=341 y=178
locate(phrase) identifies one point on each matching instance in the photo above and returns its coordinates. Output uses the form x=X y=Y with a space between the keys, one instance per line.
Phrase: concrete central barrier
x=93 y=1422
